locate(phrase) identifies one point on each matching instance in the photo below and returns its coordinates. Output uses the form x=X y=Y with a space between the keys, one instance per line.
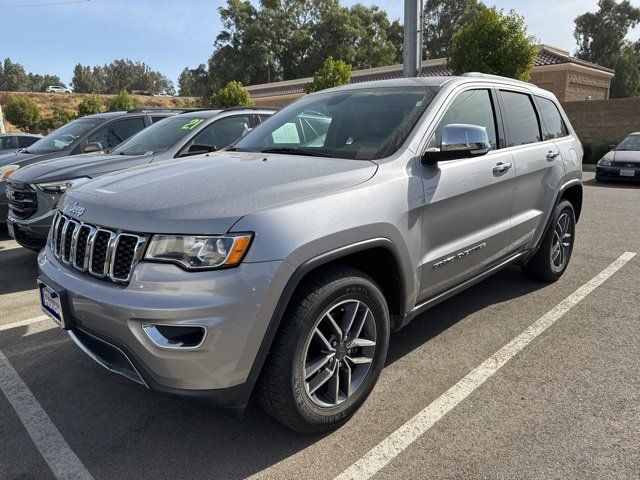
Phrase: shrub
x=333 y=73
x=22 y=112
x=232 y=95
x=59 y=117
x=595 y=151
x=123 y=101
x=91 y=105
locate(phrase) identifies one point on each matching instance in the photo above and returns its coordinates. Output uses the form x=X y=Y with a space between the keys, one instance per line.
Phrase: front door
x=466 y=219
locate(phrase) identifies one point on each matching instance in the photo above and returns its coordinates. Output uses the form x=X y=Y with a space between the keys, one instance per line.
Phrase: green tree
x=626 y=81
x=59 y=117
x=493 y=43
x=91 y=105
x=14 y=78
x=441 y=20
x=601 y=35
x=332 y=74
x=232 y=95
x=286 y=39
x=22 y=112
x=123 y=101
x=87 y=80
x=601 y=38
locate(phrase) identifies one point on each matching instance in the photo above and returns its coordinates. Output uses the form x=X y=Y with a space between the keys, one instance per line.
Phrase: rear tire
x=552 y=258
x=338 y=316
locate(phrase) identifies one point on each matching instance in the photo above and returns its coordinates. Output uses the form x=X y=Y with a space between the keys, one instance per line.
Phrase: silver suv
x=281 y=268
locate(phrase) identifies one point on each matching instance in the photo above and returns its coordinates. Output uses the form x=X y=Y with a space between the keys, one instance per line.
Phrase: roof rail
x=253 y=107
x=496 y=77
x=156 y=110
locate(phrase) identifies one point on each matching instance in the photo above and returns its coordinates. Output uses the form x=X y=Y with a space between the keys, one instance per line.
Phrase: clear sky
x=169 y=35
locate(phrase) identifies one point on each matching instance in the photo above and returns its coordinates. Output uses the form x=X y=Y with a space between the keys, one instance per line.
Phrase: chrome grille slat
x=99 y=251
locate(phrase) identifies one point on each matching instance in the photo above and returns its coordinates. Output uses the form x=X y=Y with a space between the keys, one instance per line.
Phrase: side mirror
x=459 y=141
x=199 y=149
x=92 y=147
x=246 y=130
x=612 y=146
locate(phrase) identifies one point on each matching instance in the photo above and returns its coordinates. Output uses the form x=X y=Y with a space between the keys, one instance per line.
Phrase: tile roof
x=430 y=68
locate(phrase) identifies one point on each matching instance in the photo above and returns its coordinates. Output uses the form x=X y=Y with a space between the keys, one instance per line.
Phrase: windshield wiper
x=295 y=151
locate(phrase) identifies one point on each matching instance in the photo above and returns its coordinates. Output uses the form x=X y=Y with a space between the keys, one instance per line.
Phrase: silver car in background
x=282 y=265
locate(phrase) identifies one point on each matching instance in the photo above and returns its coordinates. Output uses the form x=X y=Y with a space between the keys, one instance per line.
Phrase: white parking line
x=389 y=448
x=22 y=323
x=50 y=443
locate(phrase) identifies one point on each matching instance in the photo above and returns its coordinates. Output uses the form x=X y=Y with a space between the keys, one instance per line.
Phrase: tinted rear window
x=553 y=124
x=520 y=119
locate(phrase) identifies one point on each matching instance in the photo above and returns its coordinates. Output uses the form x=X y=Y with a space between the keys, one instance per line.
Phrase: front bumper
x=235 y=306
x=613 y=172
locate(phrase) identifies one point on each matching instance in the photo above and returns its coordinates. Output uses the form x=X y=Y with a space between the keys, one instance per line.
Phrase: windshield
x=632 y=142
x=357 y=124
x=64 y=136
x=159 y=136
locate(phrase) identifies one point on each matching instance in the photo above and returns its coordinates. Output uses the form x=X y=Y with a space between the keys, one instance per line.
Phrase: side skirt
x=451 y=291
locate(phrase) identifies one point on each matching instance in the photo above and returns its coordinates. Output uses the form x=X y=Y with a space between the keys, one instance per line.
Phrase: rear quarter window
x=553 y=124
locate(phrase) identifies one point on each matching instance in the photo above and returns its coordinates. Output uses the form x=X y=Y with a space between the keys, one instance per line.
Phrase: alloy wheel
x=339 y=352
x=561 y=244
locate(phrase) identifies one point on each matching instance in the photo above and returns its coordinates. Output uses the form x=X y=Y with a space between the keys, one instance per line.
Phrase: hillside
x=48 y=101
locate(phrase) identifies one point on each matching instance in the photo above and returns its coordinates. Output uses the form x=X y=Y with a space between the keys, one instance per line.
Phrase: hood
x=208 y=194
x=627 y=156
x=22 y=158
x=75 y=166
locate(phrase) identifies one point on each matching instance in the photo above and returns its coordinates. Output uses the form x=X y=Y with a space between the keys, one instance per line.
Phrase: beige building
x=569 y=78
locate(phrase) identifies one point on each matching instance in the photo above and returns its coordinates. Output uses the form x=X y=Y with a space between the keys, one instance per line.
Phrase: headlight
x=198 y=252
x=7 y=171
x=58 y=188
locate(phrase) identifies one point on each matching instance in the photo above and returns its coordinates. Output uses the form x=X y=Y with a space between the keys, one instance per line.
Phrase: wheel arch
x=358 y=255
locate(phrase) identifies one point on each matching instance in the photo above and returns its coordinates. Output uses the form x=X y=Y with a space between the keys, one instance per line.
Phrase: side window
x=521 y=120
x=157 y=119
x=473 y=107
x=24 y=142
x=7 y=143
x=223 y=132
x=554 y=125
x=117 y=132
x=263 y=117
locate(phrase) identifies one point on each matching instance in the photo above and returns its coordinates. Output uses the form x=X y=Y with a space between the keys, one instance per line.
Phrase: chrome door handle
x=502 y=167
x=552 y=155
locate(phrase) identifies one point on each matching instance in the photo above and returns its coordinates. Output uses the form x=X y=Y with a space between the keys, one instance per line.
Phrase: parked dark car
x=622 y=162
x=34 y=191
x=12 y=142
x=90 y=134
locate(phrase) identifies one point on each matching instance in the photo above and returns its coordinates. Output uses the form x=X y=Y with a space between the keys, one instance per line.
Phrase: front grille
x=23 y=201
x=99 y=251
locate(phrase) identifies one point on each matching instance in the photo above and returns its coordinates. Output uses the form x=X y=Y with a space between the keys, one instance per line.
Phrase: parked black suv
x=90 y=134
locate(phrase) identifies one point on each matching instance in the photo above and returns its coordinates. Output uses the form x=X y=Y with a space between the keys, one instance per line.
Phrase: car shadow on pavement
x=505 y=285
x=612 y=184
x=117 y=427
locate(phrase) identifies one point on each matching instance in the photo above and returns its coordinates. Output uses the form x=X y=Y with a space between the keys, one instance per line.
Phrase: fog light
x=177 y=337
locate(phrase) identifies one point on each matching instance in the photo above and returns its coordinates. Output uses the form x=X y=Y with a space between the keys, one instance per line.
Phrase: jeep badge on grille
x=76 y=210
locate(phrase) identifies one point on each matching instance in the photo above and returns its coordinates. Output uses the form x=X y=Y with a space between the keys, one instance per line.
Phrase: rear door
x=466 y=218
x=538 y=166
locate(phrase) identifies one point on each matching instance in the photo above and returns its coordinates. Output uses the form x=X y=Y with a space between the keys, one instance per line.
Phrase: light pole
x=412 y=51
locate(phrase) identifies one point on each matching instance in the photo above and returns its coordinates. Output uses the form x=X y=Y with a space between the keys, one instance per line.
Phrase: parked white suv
x=57 y=89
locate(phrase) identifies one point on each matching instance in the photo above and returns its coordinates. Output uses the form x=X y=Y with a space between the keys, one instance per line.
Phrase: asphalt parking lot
x=564 y=405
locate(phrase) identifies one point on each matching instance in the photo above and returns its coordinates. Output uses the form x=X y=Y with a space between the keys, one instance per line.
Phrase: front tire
x=552 y=258
x=328 y=353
